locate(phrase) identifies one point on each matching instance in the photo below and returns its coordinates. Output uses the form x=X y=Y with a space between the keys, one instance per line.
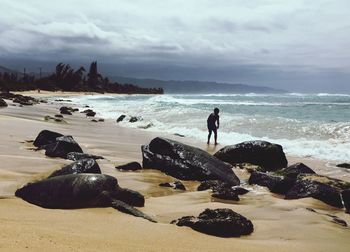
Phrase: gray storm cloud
x=261 y=41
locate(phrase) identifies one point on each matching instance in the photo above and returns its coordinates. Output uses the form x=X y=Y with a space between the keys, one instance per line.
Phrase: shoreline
x=283 y=225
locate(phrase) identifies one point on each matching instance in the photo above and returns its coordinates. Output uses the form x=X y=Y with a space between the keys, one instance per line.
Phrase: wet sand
x=279 y=225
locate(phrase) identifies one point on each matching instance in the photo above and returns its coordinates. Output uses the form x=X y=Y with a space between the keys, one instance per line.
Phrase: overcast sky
x=299 y=45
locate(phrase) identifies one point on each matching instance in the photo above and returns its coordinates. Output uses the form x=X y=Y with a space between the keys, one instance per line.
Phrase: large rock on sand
x=276 y=184
x=46 y=137
x=267 y=155
x=62 y=146
x=219 y=222
x=78 y=191
x=185 y=162
x=2 y=103
x=81 y=166
x=294 y=170
x=319 y=187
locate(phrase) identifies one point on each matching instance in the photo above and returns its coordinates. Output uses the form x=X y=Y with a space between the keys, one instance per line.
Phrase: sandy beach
x=279 y=225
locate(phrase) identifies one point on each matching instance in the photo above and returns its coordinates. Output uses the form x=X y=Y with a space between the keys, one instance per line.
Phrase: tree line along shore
x=66 y=78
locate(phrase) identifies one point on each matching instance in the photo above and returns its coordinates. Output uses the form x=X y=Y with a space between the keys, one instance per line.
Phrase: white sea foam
x=302 y=131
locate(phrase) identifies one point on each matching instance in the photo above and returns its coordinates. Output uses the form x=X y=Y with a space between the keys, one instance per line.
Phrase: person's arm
x=218 y=121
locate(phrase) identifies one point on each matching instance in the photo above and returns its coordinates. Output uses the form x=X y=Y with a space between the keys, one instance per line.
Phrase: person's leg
x=216 y=136
x=209 y=135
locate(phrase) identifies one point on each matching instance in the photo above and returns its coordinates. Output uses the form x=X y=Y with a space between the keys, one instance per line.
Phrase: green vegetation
x=65 y=78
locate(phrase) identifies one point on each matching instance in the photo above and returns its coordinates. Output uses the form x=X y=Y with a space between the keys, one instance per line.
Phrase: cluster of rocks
x=57 y=118
x=68 y=110
x=189 y=163
x=80 y=184
x=132 y=119
x=21 y=99
x=222 y=190
x=89 y=112
x=294 y=182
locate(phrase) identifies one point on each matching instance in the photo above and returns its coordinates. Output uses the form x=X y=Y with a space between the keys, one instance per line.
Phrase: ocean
x=306 y=125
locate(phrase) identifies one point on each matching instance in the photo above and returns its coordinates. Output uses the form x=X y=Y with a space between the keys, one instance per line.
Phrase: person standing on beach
x=213 y=125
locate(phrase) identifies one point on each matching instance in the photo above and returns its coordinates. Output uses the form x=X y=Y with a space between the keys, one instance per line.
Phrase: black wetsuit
x=211 y=122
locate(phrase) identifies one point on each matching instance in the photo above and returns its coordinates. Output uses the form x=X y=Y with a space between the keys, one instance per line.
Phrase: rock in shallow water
x=267 y=155
x=219 y=222
x=185 y=162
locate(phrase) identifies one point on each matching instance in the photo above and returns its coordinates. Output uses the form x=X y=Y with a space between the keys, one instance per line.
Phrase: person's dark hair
x=216 y=110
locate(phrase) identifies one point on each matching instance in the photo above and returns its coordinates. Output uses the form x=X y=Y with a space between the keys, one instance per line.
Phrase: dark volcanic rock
x=80 y=166
x=101 y=120
x=319 y=187
x=62 y=147
x=344 y=165
x=217 y=185
x=317 y=190
x=7 y=95
x=46 y=137
x=346 y=199
x=91 y=114
x=270 y=156
x=25 y=100
x=87 y=111
x=185 y=162
x=219 y=222
x=175 y=185
x=294 y=170
x=59 y=116
x=132 y=166
x=222 y=190
x=226 y=194
x=121 y=118
x=78 y=191
x=125 y=208
x=77 y=156
x=66 y=110
x=276 y=184
x=134 y=119
x=212 y=184
x=2 y=103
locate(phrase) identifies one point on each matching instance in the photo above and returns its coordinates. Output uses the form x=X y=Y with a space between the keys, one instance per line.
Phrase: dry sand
x=279 y=225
